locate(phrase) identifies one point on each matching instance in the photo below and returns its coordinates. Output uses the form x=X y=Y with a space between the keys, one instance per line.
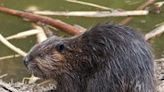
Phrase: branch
x=23 y=34
x=155 y=32
x=47 y=20
x=93 y=13
x=39 y=29
x=12 y=47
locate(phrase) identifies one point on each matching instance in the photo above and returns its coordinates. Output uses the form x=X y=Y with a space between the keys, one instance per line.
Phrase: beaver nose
x=26 y=60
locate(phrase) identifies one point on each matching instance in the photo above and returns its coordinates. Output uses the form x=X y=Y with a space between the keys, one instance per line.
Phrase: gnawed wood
x=23 y=34
x=97 y=14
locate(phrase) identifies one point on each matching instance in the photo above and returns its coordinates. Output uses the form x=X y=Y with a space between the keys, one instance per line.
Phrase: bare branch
x=155 y=32
x=12 y=47
x=93 y=13
x=23 y=34
x=47 y=20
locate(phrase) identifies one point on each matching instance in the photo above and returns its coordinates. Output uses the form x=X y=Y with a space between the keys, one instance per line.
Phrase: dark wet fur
x=108 y=58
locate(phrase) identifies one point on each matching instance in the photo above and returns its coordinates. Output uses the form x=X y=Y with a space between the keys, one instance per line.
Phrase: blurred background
x=10 y=25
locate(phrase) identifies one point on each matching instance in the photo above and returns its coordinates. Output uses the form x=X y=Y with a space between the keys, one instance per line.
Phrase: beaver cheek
x=57 y=57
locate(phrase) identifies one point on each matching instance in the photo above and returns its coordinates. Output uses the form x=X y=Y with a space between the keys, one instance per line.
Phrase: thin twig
x=155 y=32
x=91 y=4
x=23 y=34
x=30 y=33
x=12 y=47
x=93 y=13
x=8 y=57
x=141 y=7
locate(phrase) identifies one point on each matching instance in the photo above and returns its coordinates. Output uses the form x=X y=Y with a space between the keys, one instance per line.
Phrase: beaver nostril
x=26 y=60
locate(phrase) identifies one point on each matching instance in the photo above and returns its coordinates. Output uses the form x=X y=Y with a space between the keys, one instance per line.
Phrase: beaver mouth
x=33 y=66
x=35 y=70
x=43 y=68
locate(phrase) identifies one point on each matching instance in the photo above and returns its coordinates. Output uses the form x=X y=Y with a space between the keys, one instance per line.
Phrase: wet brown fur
x=108 y=58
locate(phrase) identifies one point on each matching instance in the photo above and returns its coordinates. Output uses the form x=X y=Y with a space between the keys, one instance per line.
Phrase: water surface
x=10 y=25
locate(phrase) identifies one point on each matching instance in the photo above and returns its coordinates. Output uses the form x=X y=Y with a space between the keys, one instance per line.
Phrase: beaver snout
x=26 y=61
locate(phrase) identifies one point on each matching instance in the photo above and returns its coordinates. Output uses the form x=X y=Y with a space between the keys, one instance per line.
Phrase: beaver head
x=57 y=56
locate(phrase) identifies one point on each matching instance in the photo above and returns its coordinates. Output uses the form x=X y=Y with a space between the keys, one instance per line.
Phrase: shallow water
x=10 y=25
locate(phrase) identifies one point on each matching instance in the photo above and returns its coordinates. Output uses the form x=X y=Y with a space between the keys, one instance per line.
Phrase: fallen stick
x=155 y=32
x=142 y=7
x=12 y=47
x=8 y=87
x=91 y=4
x=8 y=57
x=47 y=20
x=93 y=13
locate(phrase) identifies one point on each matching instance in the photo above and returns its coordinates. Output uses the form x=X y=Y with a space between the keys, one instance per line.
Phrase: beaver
x=106 y=58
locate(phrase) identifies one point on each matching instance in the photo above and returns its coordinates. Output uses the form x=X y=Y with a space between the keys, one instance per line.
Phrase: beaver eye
x=60 y=47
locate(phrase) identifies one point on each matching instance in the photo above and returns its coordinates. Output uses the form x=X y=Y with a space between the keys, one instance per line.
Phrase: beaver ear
x=60 y=47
